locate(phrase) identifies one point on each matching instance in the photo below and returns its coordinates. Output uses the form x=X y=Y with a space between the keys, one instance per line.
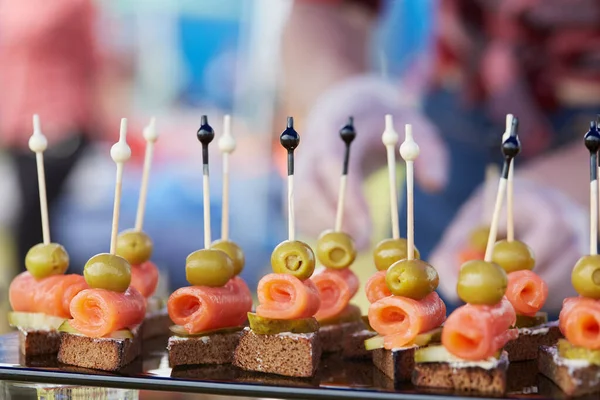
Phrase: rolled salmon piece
x=526 y=291
x=144 y=277
x=51 y=295
x=376 y=288
x=99 y=312
x=477 y=332
x=469 y=254
x=579 y=321
x=203 y=308
x=336 y=288
x=400 y=319
x=283 y=296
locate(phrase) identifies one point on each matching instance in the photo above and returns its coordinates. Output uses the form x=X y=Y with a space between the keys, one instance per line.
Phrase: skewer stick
x=510 y=219
x=205 y=135
x=409 y=150
x=510 y=148
x=492 y=174
x=38 y=144
x=390 y=139
x=226 y=146
x=151 y=135
x=120 y=153
x=290 y=139
x=592 y=143
x=597 y=126
x=347 y=133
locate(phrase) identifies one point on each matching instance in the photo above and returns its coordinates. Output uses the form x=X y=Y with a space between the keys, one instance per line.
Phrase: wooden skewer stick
x=205 y=135
x=510 y=219
x=409 y=150
x=390 y=140
x=347 y=133
x=290 y=139
x=598 y=127
x=592 y=143
x=151 y=135
x=510 y=148
x=492 y=174
x=38 y=144
x=120 y=153
x=226 y=146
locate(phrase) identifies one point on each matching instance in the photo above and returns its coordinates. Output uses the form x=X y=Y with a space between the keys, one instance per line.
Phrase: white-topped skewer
x=120 y=153
x=38 y=144
x=390 y=140
x=150 y=135
x=510 y=216
x=409 y=151
x=226 y=146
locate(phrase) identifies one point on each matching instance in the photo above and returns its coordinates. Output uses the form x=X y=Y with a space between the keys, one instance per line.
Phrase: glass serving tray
x=336 y=378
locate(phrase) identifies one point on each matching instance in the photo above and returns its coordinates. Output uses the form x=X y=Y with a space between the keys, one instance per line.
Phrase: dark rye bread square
x=99 y=353
x=574 y=379
x=395 y=364
x=522 y=377
x=217 y=348
x=287 y=354
x=332 y=336
x=467 y=378
x=353 y=346
x=35 y=343
x=525 y=346
x=156 y=324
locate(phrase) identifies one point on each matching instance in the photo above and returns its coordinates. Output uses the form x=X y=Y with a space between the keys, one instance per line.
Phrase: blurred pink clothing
x=47 y=67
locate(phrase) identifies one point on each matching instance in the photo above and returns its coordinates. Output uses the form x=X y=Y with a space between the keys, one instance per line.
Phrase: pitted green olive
x=134 y=246
x=108 y=271
x=43 y=260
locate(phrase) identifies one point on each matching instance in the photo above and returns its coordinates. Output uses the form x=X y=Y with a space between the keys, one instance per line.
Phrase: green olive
x=388 y=251
x=43 y=260
x=134 y=246
x=586 y=276
x=481 y=282
x=233 y=251
x=295 y=258
x=479 y=238
x=513 y=256
x=108 y=271
x=208 y=267
x=411 y=278
x=335 y=250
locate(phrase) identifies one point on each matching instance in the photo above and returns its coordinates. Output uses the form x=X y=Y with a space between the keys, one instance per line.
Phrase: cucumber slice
x=538 y=319
x=376 y=342
x=122 y=334
x=439 y=353
x=269 y=326
x=179 y=330
x=432 y=336
x=567 y=350
x=34 y=321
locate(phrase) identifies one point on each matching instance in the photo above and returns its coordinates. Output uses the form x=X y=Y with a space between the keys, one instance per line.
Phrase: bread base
x=156 y=324
x=332 y=336
x=353 y=346
x=36 y=343
x=525 y=346
x=217 y=348
x=287 y=354
x=395 y=364
x=573 y=377
x=467 y=378
x=98 y=353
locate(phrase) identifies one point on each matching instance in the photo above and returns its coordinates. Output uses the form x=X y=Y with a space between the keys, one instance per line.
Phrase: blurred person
x=536 y=59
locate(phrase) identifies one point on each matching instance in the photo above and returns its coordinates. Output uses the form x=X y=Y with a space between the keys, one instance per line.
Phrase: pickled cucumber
x=122 y=334
x=376 y=342
x=350 y=314
x=524 y=321
x=423 y=339
x=268 y=326
x=179 y=330
x=34 y=321
x=430 y=354
x=567 y=350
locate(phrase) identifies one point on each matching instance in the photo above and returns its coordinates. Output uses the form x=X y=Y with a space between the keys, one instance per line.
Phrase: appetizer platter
x=304 y=338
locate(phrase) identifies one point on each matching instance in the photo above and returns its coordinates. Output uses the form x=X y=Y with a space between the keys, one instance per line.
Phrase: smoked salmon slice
x=469 y=254
x=526 y=291
x=400 y=319
x=283 y=296
x=99 y=312
x=203 y=308
x=477 y=332
x=144 y=277
x=376 y=287
x=51 y=295
x=336 y=288
x=579 y=321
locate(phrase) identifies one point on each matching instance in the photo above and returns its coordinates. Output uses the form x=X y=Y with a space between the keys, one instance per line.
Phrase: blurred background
x=453 y=69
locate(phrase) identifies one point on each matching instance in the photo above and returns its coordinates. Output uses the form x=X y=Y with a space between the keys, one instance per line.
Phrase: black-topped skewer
x=205 y=135
x=290 y=139
x=592 y=143
x=347 y=134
